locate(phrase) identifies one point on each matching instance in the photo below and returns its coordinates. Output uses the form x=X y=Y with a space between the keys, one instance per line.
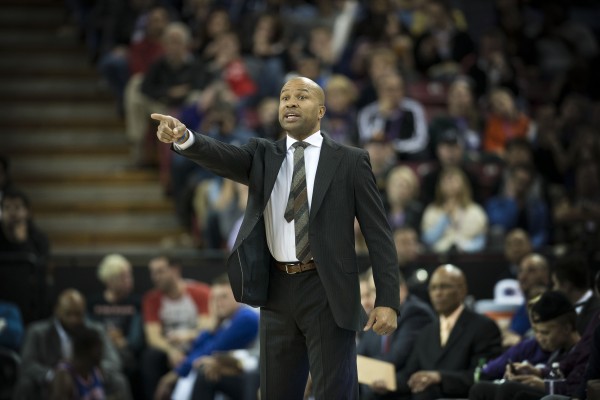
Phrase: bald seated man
x=447 y=351
x=48 y=342
x=294 y=255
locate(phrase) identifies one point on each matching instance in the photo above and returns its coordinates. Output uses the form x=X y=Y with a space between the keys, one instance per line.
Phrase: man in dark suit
x=447 y=351
x=294 y=255
x=48 y=343
x=571 y=276
x=395 y=347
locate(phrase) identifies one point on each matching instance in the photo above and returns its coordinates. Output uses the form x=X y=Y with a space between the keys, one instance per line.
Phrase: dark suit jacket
x=473 y=337
x=414 y=315
x=589 y=310
x=344 y=189
x=42 y=351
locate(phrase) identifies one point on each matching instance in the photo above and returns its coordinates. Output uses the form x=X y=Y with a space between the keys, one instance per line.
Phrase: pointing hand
x=170 y=129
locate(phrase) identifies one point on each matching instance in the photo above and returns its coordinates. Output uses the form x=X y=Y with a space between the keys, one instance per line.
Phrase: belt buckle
x=287 y=271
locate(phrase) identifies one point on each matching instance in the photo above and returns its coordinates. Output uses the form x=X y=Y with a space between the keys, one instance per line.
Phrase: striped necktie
x=297 y=206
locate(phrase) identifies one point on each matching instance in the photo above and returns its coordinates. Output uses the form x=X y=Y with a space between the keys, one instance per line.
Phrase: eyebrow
x=302 y=90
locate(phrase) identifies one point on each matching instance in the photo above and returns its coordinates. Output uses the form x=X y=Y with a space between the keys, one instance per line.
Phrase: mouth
x=291 y=116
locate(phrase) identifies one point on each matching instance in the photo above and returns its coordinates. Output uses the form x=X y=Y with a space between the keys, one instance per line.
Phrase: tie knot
x=300 y=144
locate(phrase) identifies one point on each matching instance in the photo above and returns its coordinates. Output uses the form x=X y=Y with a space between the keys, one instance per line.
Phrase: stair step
x=104 y=207
x=64 y=138
x=64 y=89
x=38 y=13
x=83 y=193
x=74 y=148
x=77 y=222
x=149 y=239
x=115 y=178
x=25 y=39
x=70 y=164
x=17 y=111
x=35 y=62
x=33 y=72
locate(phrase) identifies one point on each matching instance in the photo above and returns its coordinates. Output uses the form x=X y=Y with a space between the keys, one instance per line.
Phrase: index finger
x=161 y=117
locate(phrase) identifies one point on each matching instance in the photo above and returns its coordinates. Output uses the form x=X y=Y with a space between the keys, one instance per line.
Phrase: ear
x=321 y=111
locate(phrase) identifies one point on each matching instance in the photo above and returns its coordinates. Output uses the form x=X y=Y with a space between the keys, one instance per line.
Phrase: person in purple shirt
x=236 y=327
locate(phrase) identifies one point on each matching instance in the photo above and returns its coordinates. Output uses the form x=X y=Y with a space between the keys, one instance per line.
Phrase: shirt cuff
x=190 y=141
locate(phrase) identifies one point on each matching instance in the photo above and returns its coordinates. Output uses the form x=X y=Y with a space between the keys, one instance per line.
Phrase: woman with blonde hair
x=453 y=221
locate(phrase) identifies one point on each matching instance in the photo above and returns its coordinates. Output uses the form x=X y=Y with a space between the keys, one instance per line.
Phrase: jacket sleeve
x=378 y=236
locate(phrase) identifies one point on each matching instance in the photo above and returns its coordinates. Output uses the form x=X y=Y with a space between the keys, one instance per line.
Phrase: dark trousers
x=154 y=364
x=505 y=391
x=238 y=387
x=298 y=334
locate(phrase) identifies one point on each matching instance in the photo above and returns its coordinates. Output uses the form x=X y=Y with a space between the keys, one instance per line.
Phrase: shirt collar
x=451 y=319
x=582 y=300
x=316 y=139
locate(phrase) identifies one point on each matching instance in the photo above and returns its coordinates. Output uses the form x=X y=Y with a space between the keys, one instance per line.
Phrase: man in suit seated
x=48 y=343
x=395 y=347
x=447 y=350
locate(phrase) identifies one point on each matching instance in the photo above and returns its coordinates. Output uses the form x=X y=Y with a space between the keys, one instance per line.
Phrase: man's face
x=300 y=109
x=516 y=246
x=14 y=211
x=407 y=246
x=161 y=273
x=446 y=291
x=551 y=335
x=390 y=90
x=70 y=313
x=531 y=273
x=223 y=301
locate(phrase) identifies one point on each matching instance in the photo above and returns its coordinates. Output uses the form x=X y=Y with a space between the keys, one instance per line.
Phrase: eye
x=302 y=97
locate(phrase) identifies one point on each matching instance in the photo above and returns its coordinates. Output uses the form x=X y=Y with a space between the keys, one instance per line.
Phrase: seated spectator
x=505 y=122
x=379 y=61
x=453 y=222
x=395 y=347
x=517 y=246
x=554 y=318
x=529 y=350
x=235 y=326
x=442 y=47
x=402 y=192
x=173 y=312
x=18 y=232
x=383 y=159
x=395 y=119
x=570 y=275
x=446 y=351
x=81 y=376
x=171 y=81
x=533 y=273
x=222 y=215
x=50 y=342
x=340 y=119
x=11 y=326
x=492 y=68
x=119 y=311
x=450 y=153
x=519 y=207
x=462 y=115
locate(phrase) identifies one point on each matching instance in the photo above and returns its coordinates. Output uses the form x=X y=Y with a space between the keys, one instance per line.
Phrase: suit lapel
x=328 y=160
x=455 y=334
x=273 y=161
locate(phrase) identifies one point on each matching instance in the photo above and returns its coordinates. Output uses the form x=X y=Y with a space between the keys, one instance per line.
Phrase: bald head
x=533 y=271
x=310 y=85
x=447 y=289
x=70 y=309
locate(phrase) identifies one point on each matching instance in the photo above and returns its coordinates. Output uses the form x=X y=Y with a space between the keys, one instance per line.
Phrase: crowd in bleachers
x=482 y=125
x=421 y=84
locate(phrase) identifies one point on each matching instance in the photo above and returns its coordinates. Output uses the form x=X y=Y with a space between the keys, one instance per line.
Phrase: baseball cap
x=552 y=304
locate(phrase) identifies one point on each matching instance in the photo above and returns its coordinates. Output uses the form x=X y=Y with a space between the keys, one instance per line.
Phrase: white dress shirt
x=281 y=236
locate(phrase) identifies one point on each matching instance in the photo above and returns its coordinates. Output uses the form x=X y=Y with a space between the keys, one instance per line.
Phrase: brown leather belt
x=295 y=267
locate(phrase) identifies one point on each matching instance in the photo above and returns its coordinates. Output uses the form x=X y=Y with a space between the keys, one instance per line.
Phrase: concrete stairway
x=67 y=147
